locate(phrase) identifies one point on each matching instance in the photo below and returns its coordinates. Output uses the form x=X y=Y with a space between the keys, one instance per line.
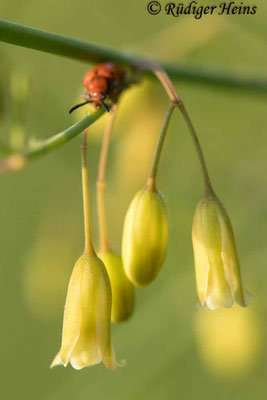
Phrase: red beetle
x=104 y=79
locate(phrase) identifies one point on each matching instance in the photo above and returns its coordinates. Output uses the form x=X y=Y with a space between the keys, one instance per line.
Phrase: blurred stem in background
x=19 y=91
x=102 y=222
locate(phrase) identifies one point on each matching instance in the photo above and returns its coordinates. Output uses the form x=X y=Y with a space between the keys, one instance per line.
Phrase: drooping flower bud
x=218 y=277
x=122 y=289
x=86 y=337
x=145 y=237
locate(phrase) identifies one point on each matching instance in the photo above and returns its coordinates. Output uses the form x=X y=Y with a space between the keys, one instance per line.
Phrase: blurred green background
x=172 y=349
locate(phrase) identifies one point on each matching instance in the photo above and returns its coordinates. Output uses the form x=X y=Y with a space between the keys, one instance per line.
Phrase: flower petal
x=230 y=258
x=86 y=350
x=57 y=361
x=103 y=323
x=218 y=290
x=200 y=258
x=72 y=313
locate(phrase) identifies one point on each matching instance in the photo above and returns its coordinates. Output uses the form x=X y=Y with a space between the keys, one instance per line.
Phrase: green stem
x=88 y=246
x=17 y=161
x=62 y=137
x=206 y=179
x=102 y=221
x=155 y=163
x=88 y=52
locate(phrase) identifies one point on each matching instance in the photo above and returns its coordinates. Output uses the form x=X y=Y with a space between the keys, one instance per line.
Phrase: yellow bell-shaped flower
x=145 y=237
x=218 y=277
x=122 y=289
x=86 y=337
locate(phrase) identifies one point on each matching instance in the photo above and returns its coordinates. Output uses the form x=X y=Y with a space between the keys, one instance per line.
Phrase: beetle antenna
x=79 y=105
x=106 y=106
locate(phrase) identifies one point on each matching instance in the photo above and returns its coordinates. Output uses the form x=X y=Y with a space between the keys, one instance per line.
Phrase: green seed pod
x=218 y=276
x=145 y=237
x=122 y=289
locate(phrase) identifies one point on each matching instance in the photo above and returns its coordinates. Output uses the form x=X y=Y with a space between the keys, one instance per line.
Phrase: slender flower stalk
x=102 y=222
x=88 y=245
x=206 y=179
x=155 y=163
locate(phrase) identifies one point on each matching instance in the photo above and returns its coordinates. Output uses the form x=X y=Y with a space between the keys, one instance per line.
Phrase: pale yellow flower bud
x=122 y=289
x=86 y=337
x=145 y=237
x=218 y=277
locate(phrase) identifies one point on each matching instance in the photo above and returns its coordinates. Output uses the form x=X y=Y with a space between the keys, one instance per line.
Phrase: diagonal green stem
x=15 y=162
x=53 y=43
x=64 y=136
